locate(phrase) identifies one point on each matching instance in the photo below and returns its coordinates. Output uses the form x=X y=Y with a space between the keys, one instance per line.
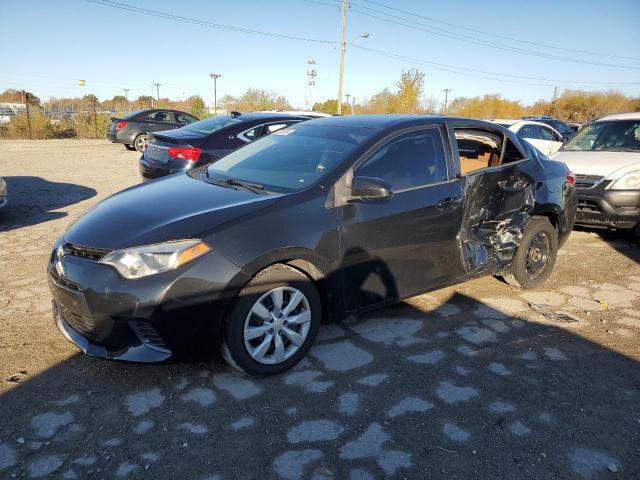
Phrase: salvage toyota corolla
x=324 y=218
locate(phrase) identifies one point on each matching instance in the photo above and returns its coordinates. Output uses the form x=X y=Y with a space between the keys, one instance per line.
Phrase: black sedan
x=207 y=140
x=311 y=223
x=132 y=129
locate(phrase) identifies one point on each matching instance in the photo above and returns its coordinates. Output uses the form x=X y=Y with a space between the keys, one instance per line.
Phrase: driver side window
x=411 y=160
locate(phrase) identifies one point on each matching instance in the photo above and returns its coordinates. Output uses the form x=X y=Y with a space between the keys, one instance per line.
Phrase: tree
x=145 y=100
x=255 y=99
x=196 y=106
x=12 y=95
x=410 y=88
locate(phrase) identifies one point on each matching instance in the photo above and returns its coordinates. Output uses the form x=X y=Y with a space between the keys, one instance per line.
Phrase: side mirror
x=365 y=189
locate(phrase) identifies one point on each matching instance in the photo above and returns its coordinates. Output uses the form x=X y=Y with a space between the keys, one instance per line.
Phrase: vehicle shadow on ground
x=418 y=390
x=621 y=240
x=34 y=200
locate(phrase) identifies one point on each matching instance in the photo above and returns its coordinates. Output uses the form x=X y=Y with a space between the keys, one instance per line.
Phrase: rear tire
x=129 y=147
x=139 y=142
x=536 y=255
x=273 y=323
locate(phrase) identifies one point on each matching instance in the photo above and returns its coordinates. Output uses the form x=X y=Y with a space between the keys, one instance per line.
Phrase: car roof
x=267 y=115
x=380 y=121
x=512 y=122
x=304 y=113
x=620 y=116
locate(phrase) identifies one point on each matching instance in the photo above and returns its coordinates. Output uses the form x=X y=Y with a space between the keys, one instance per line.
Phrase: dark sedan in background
x=207 y=140
x=132 y=129
x=311 y=223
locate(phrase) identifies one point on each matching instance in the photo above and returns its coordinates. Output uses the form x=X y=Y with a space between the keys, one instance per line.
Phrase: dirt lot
x=465 y=382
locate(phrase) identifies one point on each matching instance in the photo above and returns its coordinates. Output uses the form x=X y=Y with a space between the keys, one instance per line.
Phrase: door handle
x=448 y=203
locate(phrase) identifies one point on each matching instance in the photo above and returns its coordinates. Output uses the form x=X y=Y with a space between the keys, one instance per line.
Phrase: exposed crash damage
x=491 y=233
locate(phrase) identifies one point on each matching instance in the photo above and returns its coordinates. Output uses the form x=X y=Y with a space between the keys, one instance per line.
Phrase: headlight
x=630 y=181
x=141 y=262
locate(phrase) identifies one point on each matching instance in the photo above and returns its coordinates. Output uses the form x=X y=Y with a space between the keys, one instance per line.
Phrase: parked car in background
x=6 y=115
x=541 y=136
x=565 y=130
x=207 y=140
x=132 y=129
x=575 y=126
x=314 y=222
x=605 y=155
x=3 y=192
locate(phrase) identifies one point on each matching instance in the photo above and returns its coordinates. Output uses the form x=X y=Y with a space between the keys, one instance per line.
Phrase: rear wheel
x=273 y=322
x=536 y=255
x=129 y=147
x=139 y=142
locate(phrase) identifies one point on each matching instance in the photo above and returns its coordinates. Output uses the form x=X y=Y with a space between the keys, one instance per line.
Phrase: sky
x=48 y=46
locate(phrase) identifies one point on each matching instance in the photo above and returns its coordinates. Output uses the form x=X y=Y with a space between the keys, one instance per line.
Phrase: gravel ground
x=464 y=382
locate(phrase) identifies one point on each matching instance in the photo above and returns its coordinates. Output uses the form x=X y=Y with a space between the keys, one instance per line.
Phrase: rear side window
x=478 y=149
x=549 y=135
x=411 y=160
x=158 y=117
x=183 y=118
x=531 y=132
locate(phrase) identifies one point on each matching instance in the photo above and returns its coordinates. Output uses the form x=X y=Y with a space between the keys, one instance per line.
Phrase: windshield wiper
x=234 y=183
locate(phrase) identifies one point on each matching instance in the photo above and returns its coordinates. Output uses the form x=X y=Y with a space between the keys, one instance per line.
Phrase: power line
x=504 y=37
x=170 y=16
x=415 y=25
x=465 y=71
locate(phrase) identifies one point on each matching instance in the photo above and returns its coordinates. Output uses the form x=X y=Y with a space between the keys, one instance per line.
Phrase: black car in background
x=132 y=129
x=207 y=140
x=309 y=224
x=565 y=130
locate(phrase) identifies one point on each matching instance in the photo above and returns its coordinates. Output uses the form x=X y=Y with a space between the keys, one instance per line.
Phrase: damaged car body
x=312 y=223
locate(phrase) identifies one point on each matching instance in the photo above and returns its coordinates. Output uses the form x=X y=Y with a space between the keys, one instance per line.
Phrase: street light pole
x=158 y=85
x=215 y=77
x=347 y=95
x=126 y=97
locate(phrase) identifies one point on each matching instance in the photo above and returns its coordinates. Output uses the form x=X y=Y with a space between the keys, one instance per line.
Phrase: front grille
x=65 y=282
x=588 y=181
x=588 y=206
x=147 y=334
x=88 y=253
x=80 y=323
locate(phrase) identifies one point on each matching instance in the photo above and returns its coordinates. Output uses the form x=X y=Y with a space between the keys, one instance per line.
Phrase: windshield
x=291 y=159
x=612 y=136
x=213 y=124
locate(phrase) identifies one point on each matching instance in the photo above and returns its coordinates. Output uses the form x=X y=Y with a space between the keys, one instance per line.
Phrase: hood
x=611 y=165
x=171 y=208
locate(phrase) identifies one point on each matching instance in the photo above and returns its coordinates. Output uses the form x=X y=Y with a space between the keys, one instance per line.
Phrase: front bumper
x=599 y=206
x=145 y=320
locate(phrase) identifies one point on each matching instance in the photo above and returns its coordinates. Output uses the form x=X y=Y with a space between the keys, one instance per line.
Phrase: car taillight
x=185 y=153
x=121 y=124
x=571 y=178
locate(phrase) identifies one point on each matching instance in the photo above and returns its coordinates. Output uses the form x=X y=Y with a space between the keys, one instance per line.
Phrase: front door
x=407 y=243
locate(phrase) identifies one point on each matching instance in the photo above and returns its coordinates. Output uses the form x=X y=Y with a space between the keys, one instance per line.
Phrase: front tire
x=139 y=142
x=273 y=322
x=536 y=255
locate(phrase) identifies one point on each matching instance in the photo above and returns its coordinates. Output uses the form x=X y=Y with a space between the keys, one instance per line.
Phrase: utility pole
x=446 y=97
x=126 y=97
x=343 y=47
x=158 y=85
x=347 y=96
x=215 y=77
x=353 y=105
x=553 y=101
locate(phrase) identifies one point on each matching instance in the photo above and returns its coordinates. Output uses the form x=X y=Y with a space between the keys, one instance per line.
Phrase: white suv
x=605 y=156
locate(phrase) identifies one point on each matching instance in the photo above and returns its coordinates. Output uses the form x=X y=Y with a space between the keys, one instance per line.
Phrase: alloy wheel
x=277 y=325
x=140 y=143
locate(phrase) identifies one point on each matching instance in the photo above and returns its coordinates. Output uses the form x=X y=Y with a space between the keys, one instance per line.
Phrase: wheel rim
x=538 y=255
x=141 y=142
x=277 y=325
